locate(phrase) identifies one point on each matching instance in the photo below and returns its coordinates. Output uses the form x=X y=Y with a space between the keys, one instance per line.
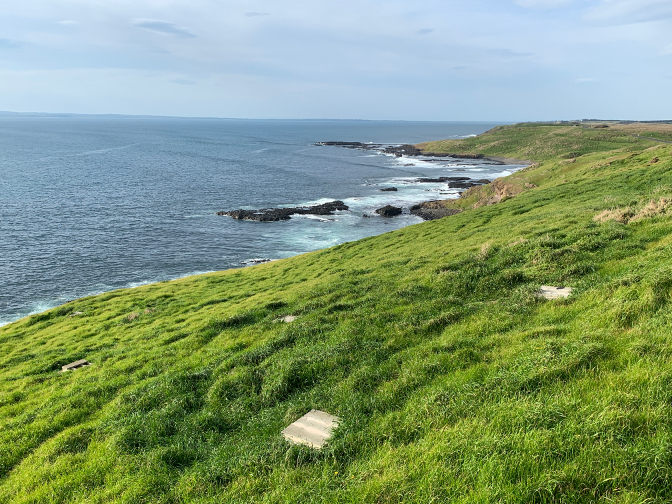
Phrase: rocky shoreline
x=278 y=214
x=454 y=182
x=407 y=150
x=428 y=210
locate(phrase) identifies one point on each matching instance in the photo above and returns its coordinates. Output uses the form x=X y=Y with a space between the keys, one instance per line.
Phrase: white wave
x=166 y=278
x=46 y=305
x=39 y=307
x=256 y=260
x=415 y=162
x=504 y=173
x=316 y=202
x=404 y=198
x=318 y=218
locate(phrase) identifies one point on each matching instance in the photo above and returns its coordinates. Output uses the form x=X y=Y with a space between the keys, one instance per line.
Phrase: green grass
x=529 y=141
x=455 y=382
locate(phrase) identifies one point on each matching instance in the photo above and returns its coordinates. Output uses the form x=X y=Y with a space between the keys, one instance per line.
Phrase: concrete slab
x=75 y=365
x=313 y=429
x=550 y=292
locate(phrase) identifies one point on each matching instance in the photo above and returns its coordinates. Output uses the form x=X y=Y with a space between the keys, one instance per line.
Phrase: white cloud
x=542 y=4
x=324 y=59
x=162 y=27
x=615 y=12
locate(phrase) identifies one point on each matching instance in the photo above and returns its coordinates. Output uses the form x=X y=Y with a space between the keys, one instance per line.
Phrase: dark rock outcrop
x=389 y=211
x=348 y=145
x=431 y=210
x=454 y=182
x=277 y=214
x=251 y=262
x=453 y=156
x=387 y=189
x=407 y=150
x=403 y=150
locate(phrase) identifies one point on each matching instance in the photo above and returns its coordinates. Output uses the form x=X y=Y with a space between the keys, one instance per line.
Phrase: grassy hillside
x=455 y=382
x=536 y=142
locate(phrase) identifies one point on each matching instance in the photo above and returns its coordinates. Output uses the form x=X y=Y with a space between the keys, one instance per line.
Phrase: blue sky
x=505 y=60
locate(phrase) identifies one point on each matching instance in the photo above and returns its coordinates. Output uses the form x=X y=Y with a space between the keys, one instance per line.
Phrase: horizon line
x=119 y=115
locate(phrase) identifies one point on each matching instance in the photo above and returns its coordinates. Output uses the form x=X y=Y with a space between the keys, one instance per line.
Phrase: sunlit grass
x=454 y=381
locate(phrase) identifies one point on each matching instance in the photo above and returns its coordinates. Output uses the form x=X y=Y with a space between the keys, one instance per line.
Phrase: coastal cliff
x=452 y=378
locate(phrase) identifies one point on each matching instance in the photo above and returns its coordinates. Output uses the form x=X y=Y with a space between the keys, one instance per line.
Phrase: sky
x=437 y=60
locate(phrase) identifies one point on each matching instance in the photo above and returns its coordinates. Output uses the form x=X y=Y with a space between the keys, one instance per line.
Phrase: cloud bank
x=617 y=12
x=368 y=59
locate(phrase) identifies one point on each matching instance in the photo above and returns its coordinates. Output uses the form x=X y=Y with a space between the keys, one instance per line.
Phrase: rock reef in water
x=412 y=150
x=407 y=150
x=403 y=150
x=426 y=211
x=453 y=182
x=389 y=211
x=278 y=214
x=348 y=145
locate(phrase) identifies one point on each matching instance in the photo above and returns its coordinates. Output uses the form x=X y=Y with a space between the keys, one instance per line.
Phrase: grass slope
x=454 y=381
x=531 y=141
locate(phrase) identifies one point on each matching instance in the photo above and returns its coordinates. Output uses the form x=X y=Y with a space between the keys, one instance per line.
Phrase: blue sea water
x=94 y=203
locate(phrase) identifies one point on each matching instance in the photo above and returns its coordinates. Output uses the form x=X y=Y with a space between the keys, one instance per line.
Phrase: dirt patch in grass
x=495 y=192
x=626 y=215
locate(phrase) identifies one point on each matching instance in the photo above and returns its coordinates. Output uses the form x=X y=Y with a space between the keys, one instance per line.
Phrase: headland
x=452 y=379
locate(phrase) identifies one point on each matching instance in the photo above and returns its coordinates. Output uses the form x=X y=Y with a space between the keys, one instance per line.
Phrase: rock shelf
x=389 y=211
x=453 y=182
x=278 y=214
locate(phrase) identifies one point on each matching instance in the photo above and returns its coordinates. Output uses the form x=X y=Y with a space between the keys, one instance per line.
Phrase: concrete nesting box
x=550 y=292
x=287 y=319
x=313 y=429
x=75 y=365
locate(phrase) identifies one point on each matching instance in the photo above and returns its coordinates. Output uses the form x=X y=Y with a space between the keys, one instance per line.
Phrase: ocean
x=90 y=204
